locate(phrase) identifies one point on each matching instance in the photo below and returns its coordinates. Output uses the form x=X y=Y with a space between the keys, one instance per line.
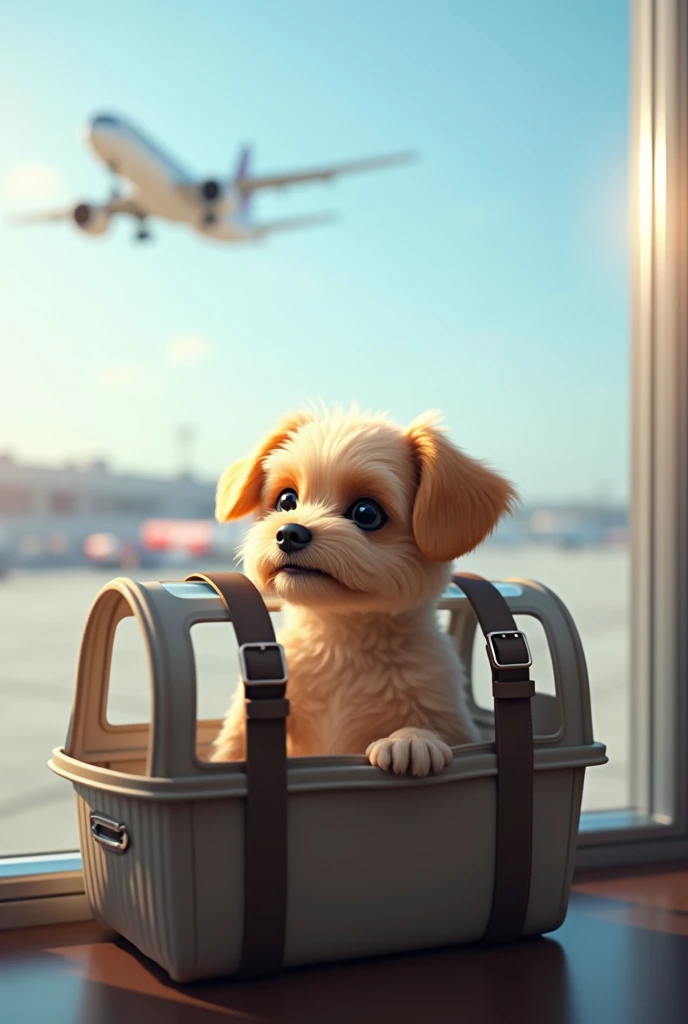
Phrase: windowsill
x=595 y=824
x=45 y=864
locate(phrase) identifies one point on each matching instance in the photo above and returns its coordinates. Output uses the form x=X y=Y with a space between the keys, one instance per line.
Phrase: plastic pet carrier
x=241 y=868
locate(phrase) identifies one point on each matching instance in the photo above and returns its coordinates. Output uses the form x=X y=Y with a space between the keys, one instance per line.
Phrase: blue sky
x=488 y=280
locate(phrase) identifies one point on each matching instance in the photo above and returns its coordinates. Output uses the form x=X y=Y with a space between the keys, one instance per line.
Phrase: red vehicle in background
x=178 y=539
x=182 y=541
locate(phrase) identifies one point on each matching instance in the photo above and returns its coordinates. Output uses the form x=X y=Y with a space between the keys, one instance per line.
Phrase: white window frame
x=657 y=827
x=50 y=889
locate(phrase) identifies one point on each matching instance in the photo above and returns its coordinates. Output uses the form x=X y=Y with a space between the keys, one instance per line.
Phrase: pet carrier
x=241 y=868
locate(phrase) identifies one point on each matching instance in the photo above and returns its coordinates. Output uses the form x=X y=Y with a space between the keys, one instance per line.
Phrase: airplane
x=159 y=187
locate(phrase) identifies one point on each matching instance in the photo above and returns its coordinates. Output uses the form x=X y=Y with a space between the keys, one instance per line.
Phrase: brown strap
x=512 y=689
x=265 y=850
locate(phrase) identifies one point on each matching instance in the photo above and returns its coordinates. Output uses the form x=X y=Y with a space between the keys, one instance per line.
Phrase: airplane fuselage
x=161 y=185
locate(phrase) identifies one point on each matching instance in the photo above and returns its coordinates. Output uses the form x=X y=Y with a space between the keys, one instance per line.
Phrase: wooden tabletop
x=621 y=957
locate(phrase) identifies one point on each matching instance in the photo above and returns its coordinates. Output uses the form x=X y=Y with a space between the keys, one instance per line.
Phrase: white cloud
x=32 y=182
x=187 y=350
x=146 y=379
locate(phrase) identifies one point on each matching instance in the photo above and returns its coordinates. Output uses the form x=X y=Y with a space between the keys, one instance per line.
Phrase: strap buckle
x=261 y=649
x=508 y=649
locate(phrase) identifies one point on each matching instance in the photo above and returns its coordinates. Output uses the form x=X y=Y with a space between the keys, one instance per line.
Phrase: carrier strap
x=512 y=688
x=265 y=852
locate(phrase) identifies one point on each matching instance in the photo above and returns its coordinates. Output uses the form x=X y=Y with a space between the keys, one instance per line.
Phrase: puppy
x=358 y=523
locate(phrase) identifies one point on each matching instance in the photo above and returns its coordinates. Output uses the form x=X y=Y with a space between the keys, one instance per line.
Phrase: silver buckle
x=271 y=645
x=504 y=634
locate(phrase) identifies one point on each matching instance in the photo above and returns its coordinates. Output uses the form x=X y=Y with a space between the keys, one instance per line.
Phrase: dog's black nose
x=293 y=537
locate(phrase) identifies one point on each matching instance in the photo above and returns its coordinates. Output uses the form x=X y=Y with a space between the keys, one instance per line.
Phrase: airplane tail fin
x=242 y=172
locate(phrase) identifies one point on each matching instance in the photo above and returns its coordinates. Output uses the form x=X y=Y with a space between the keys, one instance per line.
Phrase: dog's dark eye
x=287 y=500
x=367 y=513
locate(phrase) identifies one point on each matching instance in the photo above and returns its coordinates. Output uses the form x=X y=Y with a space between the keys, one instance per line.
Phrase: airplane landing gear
x=143 y=234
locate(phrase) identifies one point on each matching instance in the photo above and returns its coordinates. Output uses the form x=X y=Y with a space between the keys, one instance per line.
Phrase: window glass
x=486 y=279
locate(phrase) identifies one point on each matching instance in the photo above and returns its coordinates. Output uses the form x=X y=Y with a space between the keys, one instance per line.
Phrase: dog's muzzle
x=293 y=537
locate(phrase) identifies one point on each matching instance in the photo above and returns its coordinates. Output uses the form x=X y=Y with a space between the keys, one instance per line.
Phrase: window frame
x=50 y=889
x=656 y=829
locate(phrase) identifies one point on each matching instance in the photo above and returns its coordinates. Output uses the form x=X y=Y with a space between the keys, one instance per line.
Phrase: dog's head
x=357 y=513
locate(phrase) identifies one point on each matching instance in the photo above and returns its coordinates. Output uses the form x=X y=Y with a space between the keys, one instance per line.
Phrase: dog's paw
x=421 y=752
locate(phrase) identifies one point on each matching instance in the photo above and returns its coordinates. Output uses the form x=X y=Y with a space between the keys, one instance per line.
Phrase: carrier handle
x=111 y=834
x=512 y=688
x=264 y=675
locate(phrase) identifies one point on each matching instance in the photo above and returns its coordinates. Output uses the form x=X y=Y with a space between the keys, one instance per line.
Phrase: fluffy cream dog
x=358 y=523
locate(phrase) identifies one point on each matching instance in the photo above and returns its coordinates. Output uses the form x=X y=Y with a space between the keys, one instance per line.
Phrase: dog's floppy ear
x=459 y=501
x=238 y=491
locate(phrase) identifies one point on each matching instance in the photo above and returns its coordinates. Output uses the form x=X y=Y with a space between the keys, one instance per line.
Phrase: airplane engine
x=211 y=191
x=94 y=220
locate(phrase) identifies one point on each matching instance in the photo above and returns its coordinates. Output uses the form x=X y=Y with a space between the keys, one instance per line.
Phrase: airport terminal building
x=47 y=513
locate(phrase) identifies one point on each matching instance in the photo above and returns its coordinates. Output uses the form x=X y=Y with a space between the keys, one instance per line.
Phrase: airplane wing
x=291 y=224
x=247 y=186
x=113 y=206
x=42 y=217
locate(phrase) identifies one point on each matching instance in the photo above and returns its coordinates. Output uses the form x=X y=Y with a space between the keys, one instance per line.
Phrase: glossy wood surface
x=621 y=957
